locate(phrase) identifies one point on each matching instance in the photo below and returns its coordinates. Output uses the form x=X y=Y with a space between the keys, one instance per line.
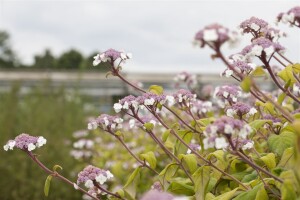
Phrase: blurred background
x=49 y=87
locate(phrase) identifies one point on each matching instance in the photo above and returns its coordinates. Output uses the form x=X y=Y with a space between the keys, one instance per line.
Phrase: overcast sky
x=158 y=33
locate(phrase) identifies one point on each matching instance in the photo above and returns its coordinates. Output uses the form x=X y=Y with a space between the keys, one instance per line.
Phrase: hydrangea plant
x=238 y=142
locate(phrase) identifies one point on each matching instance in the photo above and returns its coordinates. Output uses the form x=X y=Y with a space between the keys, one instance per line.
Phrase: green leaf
x=296 y=68
x=166 y=135
x=226 y=196
x=269 y=107
x=55 y=167
x=279 y=143
x=167 y=173
x=286 y=157
x=47 y=185
x=251 y=194
x=190 y=160
x=259 y=71
x=206 y=121
x=149 y=126
x=249 y=177
x=156 y=89
x=269 y=160
x=119 y=133
x=150 y=158
x=257 y=124
x=287 y=74
x=187 y=136
x=281 y=98
x=209 y=196
x=262 y=194
x=246 y=84
x=131 y=184
x=296 y=126
x=288 y=191
x=290 y=180
x=201 y=179
x=220 y=162
x=181 y=188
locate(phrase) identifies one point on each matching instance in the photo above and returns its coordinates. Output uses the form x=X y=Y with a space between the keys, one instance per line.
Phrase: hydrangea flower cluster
x=227 y=93
x=254 y=25
x=80 y=133
x=90 y=175
x=25 y=142
x=261 y=45
x=184 y=97
x=111 y=55
x=79 y=154
x=83 y=143
x=243 y=144
x=126 y=103
x=240 y=109
x=106 y=122
x=145 y=119
x=202 y=107
x=258 y=27
x=147 y=99
x=240 y=66
x=82 y=148
x=215 y=35
x=189 y=79
x=224 y=128
x=292 y=16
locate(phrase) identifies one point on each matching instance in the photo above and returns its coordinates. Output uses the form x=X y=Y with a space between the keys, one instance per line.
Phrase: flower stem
x=105 y=190
x=137 y=159
x=56 y=174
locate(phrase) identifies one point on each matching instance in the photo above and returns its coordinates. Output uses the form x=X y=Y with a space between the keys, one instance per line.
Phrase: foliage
x=241 y=142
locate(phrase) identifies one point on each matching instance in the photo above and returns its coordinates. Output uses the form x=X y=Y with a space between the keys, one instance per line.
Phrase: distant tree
x=71 y=59
x=7 y=56
x=46 y=60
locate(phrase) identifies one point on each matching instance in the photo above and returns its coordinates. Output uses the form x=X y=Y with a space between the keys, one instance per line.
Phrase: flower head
x=184 y=97
x=240 y=109
x=90 y=174
x=253 y=25
x=292 y=16
x=25 y=142
x=111 y=55
x=202 y=107
x=240 y=66
x=215 y=35
x=261 y=45
x=106 y=122
x=223 y=129
x=187 y=78
x=227 y=93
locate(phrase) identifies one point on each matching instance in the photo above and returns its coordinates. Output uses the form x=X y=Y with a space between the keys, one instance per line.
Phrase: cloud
x=158 y=33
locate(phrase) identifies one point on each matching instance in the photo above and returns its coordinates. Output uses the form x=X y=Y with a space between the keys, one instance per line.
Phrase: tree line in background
x=71 y=59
